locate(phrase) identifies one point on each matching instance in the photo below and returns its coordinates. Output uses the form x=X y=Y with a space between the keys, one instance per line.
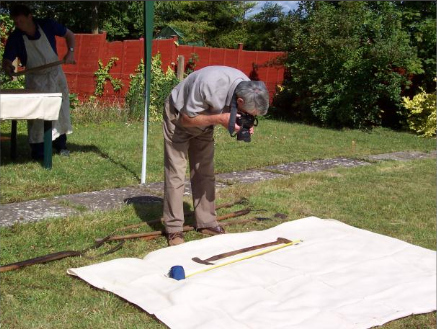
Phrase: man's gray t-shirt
x=209 y=90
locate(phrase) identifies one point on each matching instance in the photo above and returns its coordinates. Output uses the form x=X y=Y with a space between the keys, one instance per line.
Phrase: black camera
x=245 y=121
x=242 y=119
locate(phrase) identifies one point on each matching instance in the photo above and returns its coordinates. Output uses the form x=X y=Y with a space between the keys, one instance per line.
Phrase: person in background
x=191 y=110
x=33 y=42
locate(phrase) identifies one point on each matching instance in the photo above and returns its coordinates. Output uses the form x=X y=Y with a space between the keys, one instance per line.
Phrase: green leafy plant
x=103 y=76
x=6 y=27
x=160 y=86
x=135 y=95
x=191 y=64
x=74 y=101
x=422 y=113
x=7 y=83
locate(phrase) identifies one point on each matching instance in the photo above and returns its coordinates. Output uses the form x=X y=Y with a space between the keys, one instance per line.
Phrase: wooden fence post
x=240 y=51
x=181 y=66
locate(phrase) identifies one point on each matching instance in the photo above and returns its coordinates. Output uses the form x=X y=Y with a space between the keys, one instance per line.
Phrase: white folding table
x=22 y=104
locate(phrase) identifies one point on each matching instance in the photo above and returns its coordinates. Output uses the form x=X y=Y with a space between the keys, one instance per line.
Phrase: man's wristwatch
x=71 y=49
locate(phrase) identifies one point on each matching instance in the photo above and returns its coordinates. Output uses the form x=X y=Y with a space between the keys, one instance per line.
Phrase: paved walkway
x=66 y=205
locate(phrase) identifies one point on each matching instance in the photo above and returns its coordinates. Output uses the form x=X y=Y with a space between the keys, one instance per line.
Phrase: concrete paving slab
x=107 y=199
x=73 y=204
x=155 y=188
x=402 y=156
x=316 y=165
x=33 y=211
x=246 y=176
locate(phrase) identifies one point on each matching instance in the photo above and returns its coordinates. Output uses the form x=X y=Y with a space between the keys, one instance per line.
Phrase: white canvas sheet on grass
x=338 y=277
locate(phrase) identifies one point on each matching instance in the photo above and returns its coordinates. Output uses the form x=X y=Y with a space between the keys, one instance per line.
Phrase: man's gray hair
x=255 y=96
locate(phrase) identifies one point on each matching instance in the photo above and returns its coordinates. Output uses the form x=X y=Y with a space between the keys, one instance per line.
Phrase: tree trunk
x=95 y=17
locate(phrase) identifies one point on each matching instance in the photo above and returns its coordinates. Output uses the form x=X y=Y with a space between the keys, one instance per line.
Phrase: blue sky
x=287 y=5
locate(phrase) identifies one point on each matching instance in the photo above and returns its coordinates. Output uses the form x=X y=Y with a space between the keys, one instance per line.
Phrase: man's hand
x=8 y=67
x=69 y=58
x=226 y=119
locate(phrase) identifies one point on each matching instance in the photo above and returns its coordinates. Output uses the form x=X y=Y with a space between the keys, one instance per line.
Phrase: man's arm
x=71 y=42
x=202 y=120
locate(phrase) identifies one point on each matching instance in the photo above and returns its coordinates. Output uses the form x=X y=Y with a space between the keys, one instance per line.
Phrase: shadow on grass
x=23 y=152
x=23 y=149
x=94 y=149
x=149 y=210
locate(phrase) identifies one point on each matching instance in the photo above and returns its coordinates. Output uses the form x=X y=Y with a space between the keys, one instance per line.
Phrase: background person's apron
x=40 y=52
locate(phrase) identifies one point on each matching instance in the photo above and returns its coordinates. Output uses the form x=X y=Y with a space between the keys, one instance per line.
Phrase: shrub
x=422 y=113
x=343 y=62
x=135 y=95
x=191 y=64
x=160 y=86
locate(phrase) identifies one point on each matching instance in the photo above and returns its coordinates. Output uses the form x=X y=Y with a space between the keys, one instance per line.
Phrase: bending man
x=192 y=109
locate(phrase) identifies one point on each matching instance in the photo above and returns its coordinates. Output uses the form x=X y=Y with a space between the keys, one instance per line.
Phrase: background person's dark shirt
x=15 y=43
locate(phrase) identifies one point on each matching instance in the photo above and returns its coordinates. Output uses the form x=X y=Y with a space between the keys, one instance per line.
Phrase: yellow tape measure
x=246 y=257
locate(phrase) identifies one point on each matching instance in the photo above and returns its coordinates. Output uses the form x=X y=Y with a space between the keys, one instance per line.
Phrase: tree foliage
x=419 y=20
x=216 y=23
x=347 y=63
x=262 y=27
x=120 y=19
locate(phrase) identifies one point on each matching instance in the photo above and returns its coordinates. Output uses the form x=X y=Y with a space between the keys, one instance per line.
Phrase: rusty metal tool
x=57 y=256
x=259 y=253
x=38 y=68
x=239 y=251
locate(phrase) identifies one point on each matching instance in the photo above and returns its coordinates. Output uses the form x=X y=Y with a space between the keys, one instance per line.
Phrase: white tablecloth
x=339 y=277
x=29 y=106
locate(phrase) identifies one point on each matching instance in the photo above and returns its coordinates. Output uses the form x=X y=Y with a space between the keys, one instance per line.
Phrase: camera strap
x=233 y=117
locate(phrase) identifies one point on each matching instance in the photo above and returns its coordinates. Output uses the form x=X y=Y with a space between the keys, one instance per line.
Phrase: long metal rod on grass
x=187 y=228
x=191 y=213
x=99 y=242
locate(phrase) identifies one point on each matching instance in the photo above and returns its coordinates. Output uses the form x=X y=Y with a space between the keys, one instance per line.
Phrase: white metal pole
x=144 y=163
x=148 y=33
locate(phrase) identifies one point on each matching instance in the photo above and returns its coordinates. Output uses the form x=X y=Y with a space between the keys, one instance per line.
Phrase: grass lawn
x=109 y=155
x=392 y=198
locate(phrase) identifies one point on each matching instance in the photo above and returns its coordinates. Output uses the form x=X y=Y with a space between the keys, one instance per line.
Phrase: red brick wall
x=90 y=48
